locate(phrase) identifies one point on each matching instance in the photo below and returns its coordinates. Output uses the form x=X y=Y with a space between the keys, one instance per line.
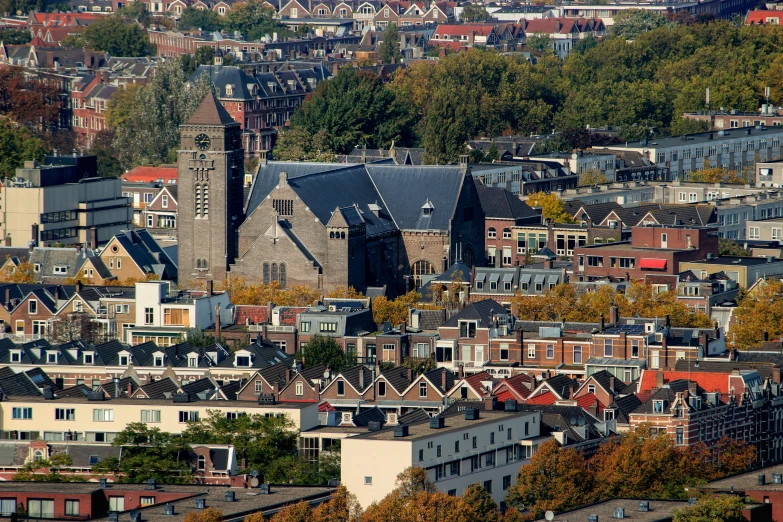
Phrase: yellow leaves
x=552 y=207
x=207 y=515
x=24 y=273
x=244 y=293
x=345 y=293
x=592 y=177
x=395 y=311
x=758 y=310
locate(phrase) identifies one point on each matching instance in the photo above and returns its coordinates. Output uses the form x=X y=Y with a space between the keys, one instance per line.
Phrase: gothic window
x=275 y=274
x=419 y=269
x=282 y=275
x=331 y=234
x=342 y=235
x=266 y=273
x=198 y=264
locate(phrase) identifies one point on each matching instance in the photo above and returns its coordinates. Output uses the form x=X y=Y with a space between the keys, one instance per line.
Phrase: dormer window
x=88 y=358
x=123 y=360
x=51 y=357
x=243 y=360
x=608 y=415
x=159 y=360
x=192 y=361
x=467 y=329
x=428 y=208
x=229 y=90
x=658 y=406
x=16 y=356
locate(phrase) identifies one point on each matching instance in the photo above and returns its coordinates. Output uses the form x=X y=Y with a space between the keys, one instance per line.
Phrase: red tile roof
x=543 y=399
x=761 y=17
x=516 y=383
x=63 y=18
x=257 y=314
x=588 y=400
x=288 y=315
x=474 y=381
x=149 y=174
x=463 y=29
x=708 y=381
x=325 y=406
x=584 y=402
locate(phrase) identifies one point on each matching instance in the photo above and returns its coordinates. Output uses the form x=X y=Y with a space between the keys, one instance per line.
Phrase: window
x=150 y=415
x=72 y=508
x=147 y=501
x=550 y=351
x=438 y=451
x=67 y=414
x=22 y=413
x=491 y=438
x=116 y=504
x=608 y=349
x=423 y=390
x=158 y=360
x=657 y=406
x=243 y=360
x=531 y=351
x=420 y=269
x=164 y=201
x=7 y=506
x=51 y=357
x=327 y=327
x=421 y=455
x=595 y=261
x=577 y=355
x=202 y=463
x=388 y=347
x=32 y=306
x=123 y=360
x=304 y=326
x=341 y=387
x=188 y=416
x=467 y=329
x=60 y=269
x=488 y=485
x=679 y=436
x=299 y=388
x=368 y=481
x=40 y=508
x=102 y=415
x=381 y=389
x=491 y=233
x=506 y=482
x=504 y=352
x=149 y=316
x=753 y=232
x=608 y=415
x=176 y=317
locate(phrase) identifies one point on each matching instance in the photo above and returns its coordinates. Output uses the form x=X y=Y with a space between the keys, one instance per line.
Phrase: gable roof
x=500 y=203
x=480 y=310
x=709 y=382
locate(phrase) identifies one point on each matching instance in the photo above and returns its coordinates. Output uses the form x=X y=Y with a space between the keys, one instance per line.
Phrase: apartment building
x=475 y=446
x=62 y=201
x=163 y=313
x=581 y=161
x=745 y=271
x=734 y=149
x=522 y=177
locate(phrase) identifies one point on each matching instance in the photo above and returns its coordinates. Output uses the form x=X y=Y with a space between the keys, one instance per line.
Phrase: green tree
x=15 y=36
x=48 y=470
x=204 y=19
x=325 y=350
x=728 y=247
x=592 y=177
x=17 y=145
x=355 y=108
x=298 y=144
x=629 y=24
x=146 y=121
x=389 y=50
x=478 y=505
x=114 y=36
x=474 y=13
x=135 y=11
x=254 y=19
x=108 y=161
x=147 y=453
x=718 y=508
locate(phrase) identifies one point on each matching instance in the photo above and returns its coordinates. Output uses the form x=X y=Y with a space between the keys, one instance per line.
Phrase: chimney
x=7 y=297
x=611 y=384
x=593 y=409
x=461 y=372
x=217 y=322
x=548 y=263
x=668 y=323
x=659 y=379
x=717 y=330
x=35 y=234
x=318 y=389
x=613 y=313
x=78 y=286
x=8 y=240
x=130 y=389
x=276 y=389
x=601 y=328
x=665 y=346
x=288 y=375
x=209 y=287
x=94 y=236
x=263 y=157
x=361 y=378
x=269 y=308
x=443 y=380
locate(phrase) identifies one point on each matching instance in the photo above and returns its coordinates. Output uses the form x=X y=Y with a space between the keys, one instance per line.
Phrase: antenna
x=549 y=516
x=707 y=98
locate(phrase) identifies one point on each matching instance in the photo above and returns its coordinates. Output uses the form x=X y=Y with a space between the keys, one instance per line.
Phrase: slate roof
x=431 y=319
x=753 y=357
x=480 y=310
x=80 y=390
x=147 y=253
x=211 y=112
x=449 y=275
x=622 y=406
x=397 y=378
x=368 y=416
x=500 y=203
x=49 y=257
x=414 y=416
x=561 y=385
x=162 y=389
x=435 y=377
x=262 y=356
x=222 y=77
x=351 y=375
x=16 y=384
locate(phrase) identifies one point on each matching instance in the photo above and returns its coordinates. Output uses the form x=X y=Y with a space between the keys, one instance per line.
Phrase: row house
x=502 y=284
x=264 y=102
x=652 y=249
x=699 y=294
x=465 y=35
x=523 y=177
x=90 y=96
x=502 y=211
x=564 y=33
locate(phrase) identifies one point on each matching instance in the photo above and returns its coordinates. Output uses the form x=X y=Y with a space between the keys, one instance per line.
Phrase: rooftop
x=700 y=138
x=659 y=510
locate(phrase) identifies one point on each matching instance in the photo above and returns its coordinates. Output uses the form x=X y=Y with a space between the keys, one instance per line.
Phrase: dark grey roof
x=367 y=416
x=17 y=384
x=414 y=416
x=501 y=203
x=397 y=378
x=459 y=269
x=622 y=406
x=480 y=310
x=211 y=112
x=50 y=257
x=162 y=389
x=261 y=356
x=223 y=76
x=147 y=253
x=436 y=378
x=765 y=368
x=563 y=385
x=85 y=455
x=431 y=319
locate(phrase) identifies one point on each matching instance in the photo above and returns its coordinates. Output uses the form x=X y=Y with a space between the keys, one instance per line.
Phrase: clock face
x=202 y=141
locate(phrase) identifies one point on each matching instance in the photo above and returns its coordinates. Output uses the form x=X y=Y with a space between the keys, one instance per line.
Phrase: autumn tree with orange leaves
x=244 y=293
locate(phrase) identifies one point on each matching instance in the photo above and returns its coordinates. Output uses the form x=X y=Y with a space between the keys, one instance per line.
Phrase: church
x=322 y=225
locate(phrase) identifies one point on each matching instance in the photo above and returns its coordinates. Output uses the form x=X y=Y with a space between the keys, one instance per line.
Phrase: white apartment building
x=580 y=162
x=457 y=450
x=732 y=149
x=163 y=313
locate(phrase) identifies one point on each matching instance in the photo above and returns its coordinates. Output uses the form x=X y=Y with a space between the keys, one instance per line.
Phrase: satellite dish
x=254 y=482
x=549 y=515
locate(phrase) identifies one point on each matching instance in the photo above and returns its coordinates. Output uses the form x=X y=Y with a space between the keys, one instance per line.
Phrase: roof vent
x=135 y=515
x=48 y=393
x=181 y=397
x=644 y=506
x=592 y=518
x=619 y=512
x=437 y=422
x=374 y=425
x=511 y=405
x=104 y=482
x=151 y=483
x=762 y=479
x=228 y=496
x=264 y=489
x=201 y=503
x=472 y=414
x=168 y=509
x=96 y=396
x=401 y=430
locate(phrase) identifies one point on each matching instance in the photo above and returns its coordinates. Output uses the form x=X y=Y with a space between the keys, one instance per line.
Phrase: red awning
x=652 y=264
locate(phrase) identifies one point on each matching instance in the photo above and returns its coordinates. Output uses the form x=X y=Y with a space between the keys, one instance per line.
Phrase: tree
x=135 y=11
x=17 y=145
x=629 y=24
x=325 y=350
x=389 y=50
x=342 y=507
x=244 y=293
x=758 y=311
x=541 y=44
x=198 y=339
x=394 y=311
x=108 y=161
x=347 y=293
x=254 y=19
x=592 y=177
x=354 y=108
x=299 y=512
x=552 y=207
x=709 y=175
x=718 y=508
x=728 y=247
x=299 y=144
x=209 y=514
x=556 y=479
x=114 y=36
x=15 y=36
x=48 y=470
x=24 y=273
x=478 y=505
x=732 y=456
x=474 y=13
x=76 y=326
x=204 y=19
x=146 y=120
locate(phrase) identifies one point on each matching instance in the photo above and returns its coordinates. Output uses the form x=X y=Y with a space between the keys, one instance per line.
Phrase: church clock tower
x=211 y=168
